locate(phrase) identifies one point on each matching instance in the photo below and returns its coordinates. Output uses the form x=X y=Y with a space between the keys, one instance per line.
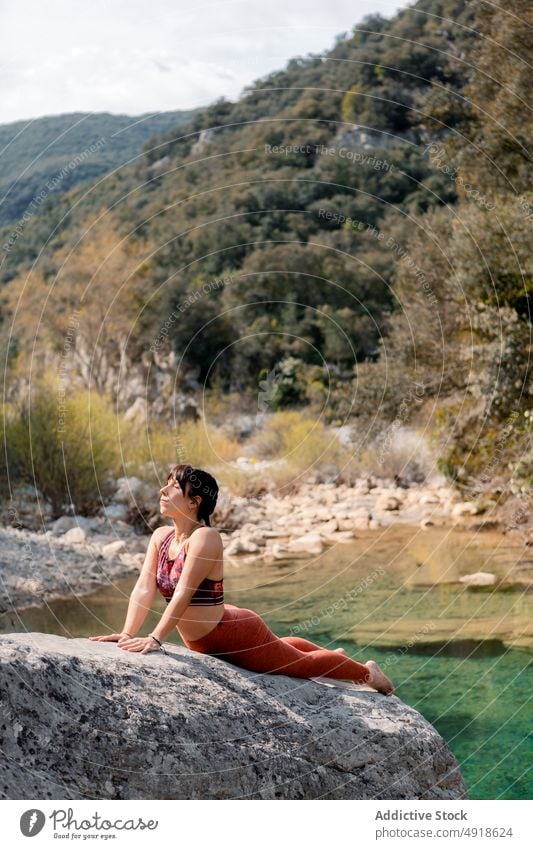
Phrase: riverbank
x=77 y=555
x=37 y=568
x=322 y=514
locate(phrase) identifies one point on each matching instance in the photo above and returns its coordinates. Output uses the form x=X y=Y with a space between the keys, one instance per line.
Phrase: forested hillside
x=357 y=225
x=64 y=150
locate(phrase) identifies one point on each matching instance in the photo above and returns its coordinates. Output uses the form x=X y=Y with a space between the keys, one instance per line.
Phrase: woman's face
x=172 y=501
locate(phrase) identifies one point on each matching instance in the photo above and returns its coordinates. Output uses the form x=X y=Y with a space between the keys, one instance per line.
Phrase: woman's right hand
x=112 y=638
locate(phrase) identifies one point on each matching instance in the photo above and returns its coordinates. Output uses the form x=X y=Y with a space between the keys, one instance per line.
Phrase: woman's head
x=197 y=490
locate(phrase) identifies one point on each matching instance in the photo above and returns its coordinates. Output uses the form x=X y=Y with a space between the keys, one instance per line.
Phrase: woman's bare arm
x=139 y=606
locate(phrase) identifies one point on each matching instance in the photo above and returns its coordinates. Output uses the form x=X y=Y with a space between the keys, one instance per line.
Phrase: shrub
x=62 y=446
x=402 y=452
x=148 y=452
x=305 y=445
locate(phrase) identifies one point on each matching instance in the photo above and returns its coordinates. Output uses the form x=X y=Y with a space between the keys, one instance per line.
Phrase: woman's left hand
x=141 y=644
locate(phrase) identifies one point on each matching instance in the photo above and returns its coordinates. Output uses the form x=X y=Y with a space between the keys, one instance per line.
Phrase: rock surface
x=83 y=720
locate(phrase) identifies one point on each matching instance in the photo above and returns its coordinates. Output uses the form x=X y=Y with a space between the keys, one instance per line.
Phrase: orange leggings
x=244 y=639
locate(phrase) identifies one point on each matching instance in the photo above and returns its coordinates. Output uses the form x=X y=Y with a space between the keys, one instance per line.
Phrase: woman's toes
x=378 y=680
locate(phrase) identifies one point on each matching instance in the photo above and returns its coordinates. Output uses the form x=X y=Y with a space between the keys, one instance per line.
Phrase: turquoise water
x=460 y=657
x=482 y=708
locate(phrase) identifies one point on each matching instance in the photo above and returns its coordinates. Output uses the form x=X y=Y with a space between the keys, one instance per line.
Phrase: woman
x=185 y=564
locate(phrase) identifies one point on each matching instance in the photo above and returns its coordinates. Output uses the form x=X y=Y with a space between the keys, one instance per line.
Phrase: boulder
x=341 y=536
x=361 y=511
x=466 y=508
x=135 y=493
x=66 y=523
x=487 y=525
x=360 y=523
x=277 y=551
x=387 y=502
x=312 y=511
x=327 y=527
x=241 y=545
x=116 y=512
x=76 y=536
x=358 y=518
x=312 y=543
x=479 y=579
x=85 y=720
x=134 y=560
x=429 y=498
x=113 y=548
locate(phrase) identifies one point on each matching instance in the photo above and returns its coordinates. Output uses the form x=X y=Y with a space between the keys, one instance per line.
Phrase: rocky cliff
x=84 y=720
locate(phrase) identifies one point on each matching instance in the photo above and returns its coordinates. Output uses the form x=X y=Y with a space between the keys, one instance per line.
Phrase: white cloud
x=136 y=57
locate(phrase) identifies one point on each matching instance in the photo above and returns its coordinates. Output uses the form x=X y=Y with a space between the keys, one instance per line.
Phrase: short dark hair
x=200 y=483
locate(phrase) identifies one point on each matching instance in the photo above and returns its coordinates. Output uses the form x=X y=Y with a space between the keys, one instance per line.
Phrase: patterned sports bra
x=168 y=575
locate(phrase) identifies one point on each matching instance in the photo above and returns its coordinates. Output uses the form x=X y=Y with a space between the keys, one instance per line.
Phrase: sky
x=138 y=56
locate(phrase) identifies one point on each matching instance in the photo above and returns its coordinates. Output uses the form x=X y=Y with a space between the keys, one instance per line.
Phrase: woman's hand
x=141 y=644
x=113 y=638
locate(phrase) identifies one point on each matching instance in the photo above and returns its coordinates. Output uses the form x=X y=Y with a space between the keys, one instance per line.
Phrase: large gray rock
x=88 y=720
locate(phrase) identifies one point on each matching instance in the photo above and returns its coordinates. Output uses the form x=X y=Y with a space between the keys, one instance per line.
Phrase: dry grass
x=149 y=453
x=299 y=447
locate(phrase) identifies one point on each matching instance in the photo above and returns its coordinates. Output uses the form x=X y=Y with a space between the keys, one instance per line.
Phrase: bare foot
x=341 y=651
x=378 y=680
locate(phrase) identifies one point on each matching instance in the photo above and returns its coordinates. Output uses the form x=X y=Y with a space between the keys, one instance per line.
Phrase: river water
x=461 y=656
